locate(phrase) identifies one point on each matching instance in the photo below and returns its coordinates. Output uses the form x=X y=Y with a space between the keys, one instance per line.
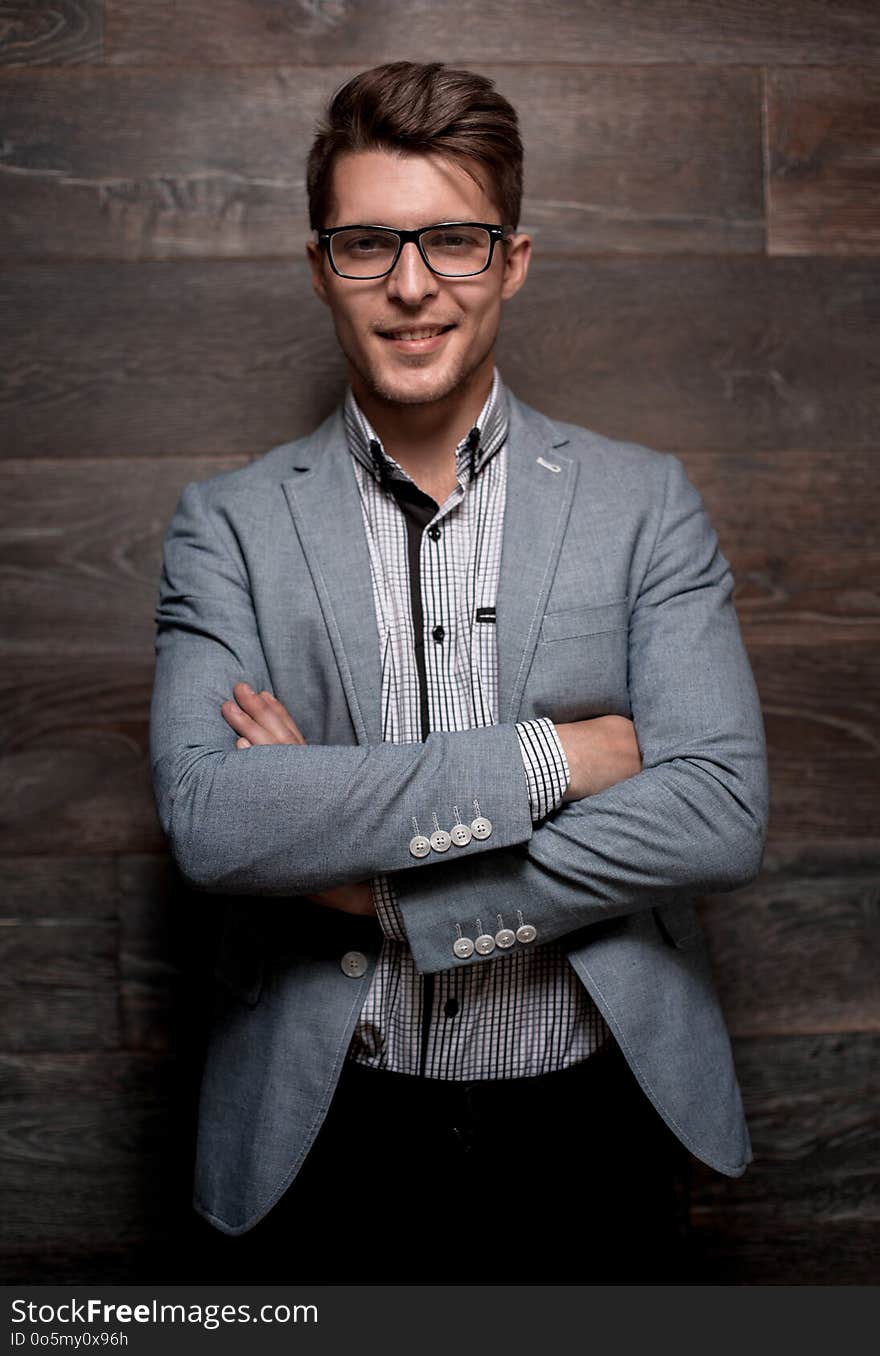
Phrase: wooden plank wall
x=702 y=186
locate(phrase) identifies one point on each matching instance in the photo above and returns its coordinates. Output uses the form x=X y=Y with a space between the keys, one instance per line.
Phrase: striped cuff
x=387 y=911
x=546 y=766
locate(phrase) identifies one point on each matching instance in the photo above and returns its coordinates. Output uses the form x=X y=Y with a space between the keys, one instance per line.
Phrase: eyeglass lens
x=454 y=251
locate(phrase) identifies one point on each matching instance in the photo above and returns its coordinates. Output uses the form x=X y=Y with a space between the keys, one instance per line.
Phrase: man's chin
x=418 y=386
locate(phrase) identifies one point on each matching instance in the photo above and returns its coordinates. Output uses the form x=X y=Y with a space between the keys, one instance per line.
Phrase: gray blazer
x=613 y=598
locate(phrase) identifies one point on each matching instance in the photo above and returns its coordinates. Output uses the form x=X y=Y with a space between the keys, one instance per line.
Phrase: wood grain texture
x=104 y=953
x=800 y=532
x=59 y=976
x=58 y=985
x=138 y=164
x=64 y=32
x=88 y=1156
x=823 y=132
x=232 y=357
x=59 y=889
x=81 y=539
x=820 y=716
x=74 y=763
x=224 y=32
x=798 y=951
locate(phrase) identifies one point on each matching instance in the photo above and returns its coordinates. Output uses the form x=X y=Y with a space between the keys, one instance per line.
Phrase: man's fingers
x=260 y=718
x=245 y=725
x=283 y=714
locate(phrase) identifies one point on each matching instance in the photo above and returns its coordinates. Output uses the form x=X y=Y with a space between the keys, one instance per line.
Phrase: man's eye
x=366 y=244
x=449 y=240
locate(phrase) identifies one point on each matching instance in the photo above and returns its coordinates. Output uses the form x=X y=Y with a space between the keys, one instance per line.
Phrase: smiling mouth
x=415 y=332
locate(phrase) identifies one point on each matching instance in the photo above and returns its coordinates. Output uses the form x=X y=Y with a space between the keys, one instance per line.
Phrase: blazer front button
x=354 y=964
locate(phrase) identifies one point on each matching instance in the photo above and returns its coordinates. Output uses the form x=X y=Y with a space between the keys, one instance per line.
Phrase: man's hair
x=409 y=107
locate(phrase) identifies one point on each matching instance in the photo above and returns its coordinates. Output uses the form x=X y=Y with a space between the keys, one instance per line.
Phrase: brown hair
x=406 y=106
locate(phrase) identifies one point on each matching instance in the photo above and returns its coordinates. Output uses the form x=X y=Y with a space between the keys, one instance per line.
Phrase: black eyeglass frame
x=496 y=235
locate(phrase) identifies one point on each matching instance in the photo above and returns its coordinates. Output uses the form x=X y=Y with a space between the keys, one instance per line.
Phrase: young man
x=451 y=700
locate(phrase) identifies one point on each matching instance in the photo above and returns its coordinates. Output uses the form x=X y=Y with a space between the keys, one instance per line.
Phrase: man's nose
x=411 y=280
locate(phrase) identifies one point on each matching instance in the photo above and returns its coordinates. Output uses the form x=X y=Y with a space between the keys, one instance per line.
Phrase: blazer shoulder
x=611 y=468
x=588 y=445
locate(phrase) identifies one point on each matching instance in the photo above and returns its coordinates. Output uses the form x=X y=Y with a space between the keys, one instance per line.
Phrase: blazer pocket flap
x=586 y=621
x=678 y=922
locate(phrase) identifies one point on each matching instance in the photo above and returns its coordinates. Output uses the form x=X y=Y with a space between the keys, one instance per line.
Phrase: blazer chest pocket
x=240 y=962
x=581 y=663
x=593 y=620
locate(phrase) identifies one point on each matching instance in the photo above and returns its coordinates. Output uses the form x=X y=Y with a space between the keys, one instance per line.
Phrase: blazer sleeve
x=290 y=819
x=693 y=820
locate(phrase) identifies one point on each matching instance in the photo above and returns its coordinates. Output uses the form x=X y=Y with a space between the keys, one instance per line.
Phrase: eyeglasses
x=452 y=249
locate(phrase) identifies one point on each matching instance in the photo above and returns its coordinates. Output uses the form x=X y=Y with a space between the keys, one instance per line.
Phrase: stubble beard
x=391 y=393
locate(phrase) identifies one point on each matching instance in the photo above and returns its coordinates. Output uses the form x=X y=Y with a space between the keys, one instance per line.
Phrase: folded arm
x=693 y=820
x=291 y=819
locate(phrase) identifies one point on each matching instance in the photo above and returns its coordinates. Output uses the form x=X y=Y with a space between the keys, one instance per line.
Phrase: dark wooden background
x=702 y=186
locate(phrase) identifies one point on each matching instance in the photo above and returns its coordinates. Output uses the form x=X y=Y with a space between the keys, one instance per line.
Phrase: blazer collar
x=324 y=501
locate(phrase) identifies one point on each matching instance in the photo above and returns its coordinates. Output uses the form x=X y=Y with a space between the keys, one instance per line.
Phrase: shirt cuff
x=546 y=766
x=387 y=910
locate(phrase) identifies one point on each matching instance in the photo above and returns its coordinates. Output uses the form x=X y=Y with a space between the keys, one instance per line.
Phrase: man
x=451 y=701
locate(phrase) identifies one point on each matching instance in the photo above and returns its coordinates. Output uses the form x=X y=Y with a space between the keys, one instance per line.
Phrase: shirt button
x=451 y=1008
x=354 y=964
x=438 y=633
x=434 y=533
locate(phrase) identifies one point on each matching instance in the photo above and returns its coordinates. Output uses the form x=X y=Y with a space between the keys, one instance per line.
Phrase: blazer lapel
x=540 y=488
x=323 y=498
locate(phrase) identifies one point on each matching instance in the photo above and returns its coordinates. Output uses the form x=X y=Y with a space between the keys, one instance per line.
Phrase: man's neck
x=422 y=438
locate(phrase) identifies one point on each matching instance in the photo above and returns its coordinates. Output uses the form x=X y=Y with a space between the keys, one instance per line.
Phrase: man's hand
x=260 y=718
x=601 y=752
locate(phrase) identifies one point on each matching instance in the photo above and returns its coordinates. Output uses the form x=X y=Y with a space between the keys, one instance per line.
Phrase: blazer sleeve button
x=354 y=964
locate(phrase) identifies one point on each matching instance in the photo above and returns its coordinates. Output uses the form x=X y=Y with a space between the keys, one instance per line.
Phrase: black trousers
x=570 y=1178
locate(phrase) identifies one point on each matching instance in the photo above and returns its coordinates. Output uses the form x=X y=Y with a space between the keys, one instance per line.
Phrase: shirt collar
x=492 y=423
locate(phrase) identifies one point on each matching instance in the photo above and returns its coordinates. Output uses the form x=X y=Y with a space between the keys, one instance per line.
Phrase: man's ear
x=316 y=266
x=517 y=253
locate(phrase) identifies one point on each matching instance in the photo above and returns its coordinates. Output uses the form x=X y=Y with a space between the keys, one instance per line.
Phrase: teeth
x=415 y=334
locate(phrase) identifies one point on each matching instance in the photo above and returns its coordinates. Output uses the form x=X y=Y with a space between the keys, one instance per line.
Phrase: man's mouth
x=413 y=333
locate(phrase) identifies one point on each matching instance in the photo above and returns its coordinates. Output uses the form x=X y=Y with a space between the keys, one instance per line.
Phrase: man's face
x=381 y=188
